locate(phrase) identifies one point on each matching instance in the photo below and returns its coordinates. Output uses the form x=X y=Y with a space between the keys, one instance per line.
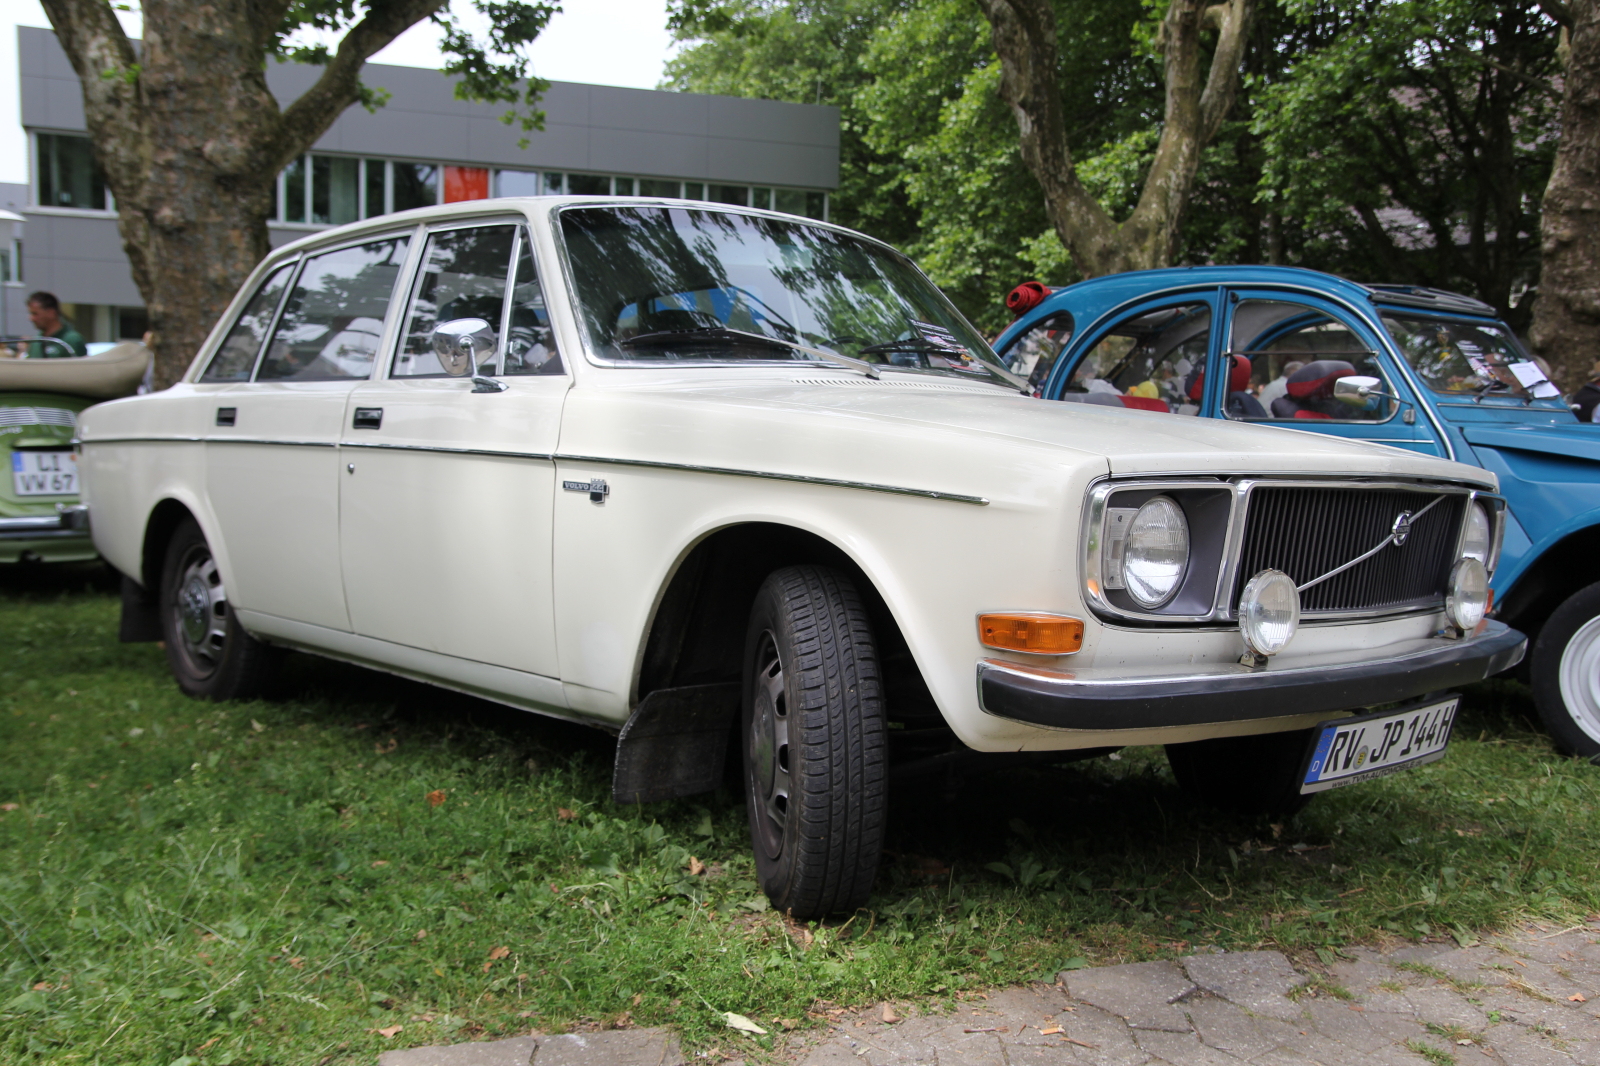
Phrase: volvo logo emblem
x=1402 y=528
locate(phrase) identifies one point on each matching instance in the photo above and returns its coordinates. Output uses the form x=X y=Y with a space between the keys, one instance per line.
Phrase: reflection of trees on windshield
x=650 y=271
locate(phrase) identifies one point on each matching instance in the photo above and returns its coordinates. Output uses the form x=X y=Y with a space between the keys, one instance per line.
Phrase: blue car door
x=1287 y=349
x=1152 y=356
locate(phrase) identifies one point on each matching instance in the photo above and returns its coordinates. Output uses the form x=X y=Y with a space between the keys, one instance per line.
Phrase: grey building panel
x=664 y=155
x=775 y=164
x=78 y=258
x=772 y=120
x=674 y=114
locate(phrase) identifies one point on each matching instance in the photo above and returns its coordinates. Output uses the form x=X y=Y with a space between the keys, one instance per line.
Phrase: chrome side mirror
x=462 y=343
x=1357 y=390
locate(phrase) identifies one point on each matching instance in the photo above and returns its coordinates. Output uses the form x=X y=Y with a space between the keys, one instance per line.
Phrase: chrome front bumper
x=70 y=520
x=1090 y=699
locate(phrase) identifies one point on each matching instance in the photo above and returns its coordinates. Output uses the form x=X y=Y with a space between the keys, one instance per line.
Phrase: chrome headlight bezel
x=1494 y=508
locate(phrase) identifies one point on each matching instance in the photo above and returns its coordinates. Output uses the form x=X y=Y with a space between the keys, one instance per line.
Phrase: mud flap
x=675 y=743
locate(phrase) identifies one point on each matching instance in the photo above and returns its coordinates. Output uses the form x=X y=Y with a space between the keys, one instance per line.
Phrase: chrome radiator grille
x=1306 y=532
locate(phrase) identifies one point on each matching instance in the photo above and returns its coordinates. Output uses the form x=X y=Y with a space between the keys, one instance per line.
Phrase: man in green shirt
x=45 y=311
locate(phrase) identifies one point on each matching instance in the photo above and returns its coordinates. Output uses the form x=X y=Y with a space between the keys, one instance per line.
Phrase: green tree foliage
x=1355 y=123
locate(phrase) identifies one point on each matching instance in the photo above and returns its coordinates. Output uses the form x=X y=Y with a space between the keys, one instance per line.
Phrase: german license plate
x=1374 y=745
x=44 y=473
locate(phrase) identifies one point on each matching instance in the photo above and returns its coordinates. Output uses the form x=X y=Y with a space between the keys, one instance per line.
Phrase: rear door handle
x=226 y=416
x=367 y=418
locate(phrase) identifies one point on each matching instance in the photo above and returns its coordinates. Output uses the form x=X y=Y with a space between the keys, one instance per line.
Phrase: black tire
x=211 y=655
x=1564 y=666
x=813 y=737
x=1252 y=775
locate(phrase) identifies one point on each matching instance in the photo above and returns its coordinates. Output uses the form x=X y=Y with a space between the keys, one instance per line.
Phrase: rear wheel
x=1565 y=669
x=211 y=655
x=1244 y=775
x=814 y=743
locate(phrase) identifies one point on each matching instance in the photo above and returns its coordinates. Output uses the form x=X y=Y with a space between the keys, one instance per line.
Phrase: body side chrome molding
x=803 y=479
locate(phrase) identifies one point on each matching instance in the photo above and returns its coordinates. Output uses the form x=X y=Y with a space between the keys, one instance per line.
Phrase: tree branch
x=1232 y=22
x=106 y=65
x=310 y=116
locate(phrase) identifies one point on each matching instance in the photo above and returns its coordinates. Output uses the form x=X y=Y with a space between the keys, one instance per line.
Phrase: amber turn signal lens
x=1042 y=634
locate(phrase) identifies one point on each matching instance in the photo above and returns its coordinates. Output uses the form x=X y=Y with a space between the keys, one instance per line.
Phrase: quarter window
x=1287 y=357
x=333 y=319
x=463 y=279
x=530 y=342
x=237 y=356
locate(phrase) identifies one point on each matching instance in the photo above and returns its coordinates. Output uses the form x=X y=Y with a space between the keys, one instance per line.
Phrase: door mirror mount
x=462 y=344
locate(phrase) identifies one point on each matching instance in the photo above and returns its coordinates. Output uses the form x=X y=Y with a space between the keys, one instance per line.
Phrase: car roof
x=1096 y=296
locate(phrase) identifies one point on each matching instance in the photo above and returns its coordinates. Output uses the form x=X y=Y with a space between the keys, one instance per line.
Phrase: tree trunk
x=191 y=141
x=1025 y=39
x=1566 y=315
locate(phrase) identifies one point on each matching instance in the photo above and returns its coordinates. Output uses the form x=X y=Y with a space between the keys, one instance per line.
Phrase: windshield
x=1467 y=357
x=659 y=285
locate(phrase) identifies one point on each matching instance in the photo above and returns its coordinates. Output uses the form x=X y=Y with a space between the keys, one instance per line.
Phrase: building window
x=294 y=191
x=377 y=188
x=588 y=185
x=657 y=187
x=415 y=185
x=694 y=190
x=11 y=264
x=730 y=194
x=335 y=190
x=516 y=183
x=554 y=184
x=622 y=186
x=67 y=173
x=762 y=199
x=465 y=183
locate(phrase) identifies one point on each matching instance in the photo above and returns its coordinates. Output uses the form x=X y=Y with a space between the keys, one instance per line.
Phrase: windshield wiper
x=935 y=348
x=668 y=337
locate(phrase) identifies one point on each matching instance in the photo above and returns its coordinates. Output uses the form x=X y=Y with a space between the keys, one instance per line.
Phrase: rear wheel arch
x=164 y=520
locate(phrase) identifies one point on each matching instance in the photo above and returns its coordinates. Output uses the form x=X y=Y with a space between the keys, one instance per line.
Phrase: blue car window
x=1296 y=353
x=1154 y=360
x=1032 y=355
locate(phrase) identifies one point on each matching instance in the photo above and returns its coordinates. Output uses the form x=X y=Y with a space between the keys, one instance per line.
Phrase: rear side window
x=333 y=318
x=237 y=356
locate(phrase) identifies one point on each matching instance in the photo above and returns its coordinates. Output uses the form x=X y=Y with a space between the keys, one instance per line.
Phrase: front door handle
x=227 y=416
x=367 y=418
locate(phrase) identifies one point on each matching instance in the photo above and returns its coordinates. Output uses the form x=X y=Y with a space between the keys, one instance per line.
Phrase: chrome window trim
x=1222 y=609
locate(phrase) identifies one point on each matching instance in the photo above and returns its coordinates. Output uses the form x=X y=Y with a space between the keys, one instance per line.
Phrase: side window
x=530 y=342
x=1287 y=357
x=462 y=283
x=1033 y=354
x=237 y=355
x=333 y=318
x=1153 y=361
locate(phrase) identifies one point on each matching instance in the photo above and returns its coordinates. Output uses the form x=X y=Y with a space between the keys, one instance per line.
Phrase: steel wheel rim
x=200 y=611
x=768 y=748
x=1579 y=674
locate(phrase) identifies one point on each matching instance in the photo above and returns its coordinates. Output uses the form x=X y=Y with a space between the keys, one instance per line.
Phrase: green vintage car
x=41 y=519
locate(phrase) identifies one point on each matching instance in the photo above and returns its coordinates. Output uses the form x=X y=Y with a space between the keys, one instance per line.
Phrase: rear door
x=1288 y=350
x=272 y=462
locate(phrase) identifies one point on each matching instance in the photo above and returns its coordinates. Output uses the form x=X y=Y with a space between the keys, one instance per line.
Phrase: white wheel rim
x=1579 y=673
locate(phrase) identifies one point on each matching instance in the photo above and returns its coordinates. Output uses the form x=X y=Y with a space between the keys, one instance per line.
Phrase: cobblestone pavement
x=1529 y=999
x=1532 y=999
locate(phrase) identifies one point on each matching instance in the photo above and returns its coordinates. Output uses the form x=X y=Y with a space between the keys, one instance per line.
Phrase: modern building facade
x=423 y=147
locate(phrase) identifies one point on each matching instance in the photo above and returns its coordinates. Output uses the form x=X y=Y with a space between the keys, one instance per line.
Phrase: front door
x=1288 y=350
x=447 y=485
x=272 y=462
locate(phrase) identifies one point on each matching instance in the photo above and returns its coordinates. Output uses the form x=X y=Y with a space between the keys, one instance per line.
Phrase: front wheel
x=1565 y=669
x=814 y=743
x=210 y=654
x=1245 y=775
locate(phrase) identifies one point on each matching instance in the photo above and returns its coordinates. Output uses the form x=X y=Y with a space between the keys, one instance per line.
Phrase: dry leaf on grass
x=743 y=1024
x=696 y=867
x=298 y=962
x=257 y=726
x=388 y=1031
x=386 y=749
x=889 y=1015
x=422 y=934
x=207 y=1044
x=380 y=862
x=8 y=806
x=499 y=952
x=436 y=797
x=565 y=815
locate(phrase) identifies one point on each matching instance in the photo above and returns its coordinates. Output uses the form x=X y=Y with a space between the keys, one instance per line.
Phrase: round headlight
x=1157 y=552
x=1468 y=598
x=1269 y=612
x=1475 y=545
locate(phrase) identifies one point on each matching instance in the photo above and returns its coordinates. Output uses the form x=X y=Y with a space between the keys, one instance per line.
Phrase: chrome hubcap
x=202 y=610
x=769 y=747
x=1579 y=674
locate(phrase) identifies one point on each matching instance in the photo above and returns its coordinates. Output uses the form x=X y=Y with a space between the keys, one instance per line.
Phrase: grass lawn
x=288 y=880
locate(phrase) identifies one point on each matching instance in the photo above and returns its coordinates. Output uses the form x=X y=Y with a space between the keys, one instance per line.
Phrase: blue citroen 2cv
x=1396 y=365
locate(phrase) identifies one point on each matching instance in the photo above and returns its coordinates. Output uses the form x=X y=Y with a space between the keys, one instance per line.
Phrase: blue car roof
x=1094 y=297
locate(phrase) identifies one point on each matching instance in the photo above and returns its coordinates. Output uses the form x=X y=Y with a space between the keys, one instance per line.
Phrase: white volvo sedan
x=693 y=473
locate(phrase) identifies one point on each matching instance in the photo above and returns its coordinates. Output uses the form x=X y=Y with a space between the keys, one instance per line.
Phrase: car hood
x=1575 y=441
x=1129 y=442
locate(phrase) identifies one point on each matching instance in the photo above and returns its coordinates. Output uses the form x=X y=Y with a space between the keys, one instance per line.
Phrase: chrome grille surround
x=1287 y=512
